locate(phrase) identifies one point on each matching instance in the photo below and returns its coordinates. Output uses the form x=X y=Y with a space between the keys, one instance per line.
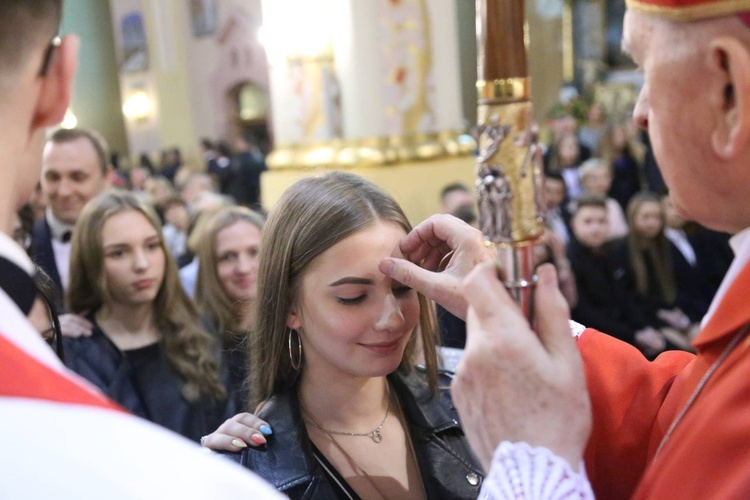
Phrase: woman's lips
x=384 y=347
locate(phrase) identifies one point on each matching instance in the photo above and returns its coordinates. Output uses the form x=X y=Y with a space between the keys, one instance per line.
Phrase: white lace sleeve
x=576 y=329
x=521 y=472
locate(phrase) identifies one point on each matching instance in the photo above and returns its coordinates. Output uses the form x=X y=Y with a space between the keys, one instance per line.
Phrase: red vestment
x=636 y=401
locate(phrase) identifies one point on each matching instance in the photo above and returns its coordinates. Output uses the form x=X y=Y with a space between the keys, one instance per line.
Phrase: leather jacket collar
x=447 y=465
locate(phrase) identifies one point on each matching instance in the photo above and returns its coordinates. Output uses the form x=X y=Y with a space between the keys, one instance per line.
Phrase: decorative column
x=363 y=82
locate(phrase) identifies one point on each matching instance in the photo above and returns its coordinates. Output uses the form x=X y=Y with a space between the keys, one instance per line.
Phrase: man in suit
x=61 y=437
x=247 y=165
x=74 y=170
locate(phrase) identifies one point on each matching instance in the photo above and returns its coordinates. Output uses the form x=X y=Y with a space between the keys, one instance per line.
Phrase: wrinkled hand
x=237 y=433
x=439 y=253
x=74 y=326
x=516 y=385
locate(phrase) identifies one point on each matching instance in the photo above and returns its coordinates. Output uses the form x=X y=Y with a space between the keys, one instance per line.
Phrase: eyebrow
x=154 y=237
x=352 y=280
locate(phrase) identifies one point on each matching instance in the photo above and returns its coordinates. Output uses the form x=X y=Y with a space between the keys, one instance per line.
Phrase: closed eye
x=353 y=300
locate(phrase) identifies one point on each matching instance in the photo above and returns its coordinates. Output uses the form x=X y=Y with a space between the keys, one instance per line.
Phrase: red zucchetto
x=689 y=10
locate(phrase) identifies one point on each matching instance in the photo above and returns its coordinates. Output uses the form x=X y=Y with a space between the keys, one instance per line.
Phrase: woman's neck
x=344 y=403
x=244 y=317
x=129 y=327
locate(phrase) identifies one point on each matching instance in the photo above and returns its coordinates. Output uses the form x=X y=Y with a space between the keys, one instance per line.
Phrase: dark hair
x=26 y=216
x=557 y=176
x=658 y=248
x=145 y=162
x=224 y=149
x=171 y=202
x=589 y=201
x=47 y=292
x=64 y=135
x=23 y=25
x=456 y=186
x=466 y=214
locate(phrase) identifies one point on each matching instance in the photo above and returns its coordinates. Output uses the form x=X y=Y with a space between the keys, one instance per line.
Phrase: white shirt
x=740 y=244
x=680 y=240
x=60 y=249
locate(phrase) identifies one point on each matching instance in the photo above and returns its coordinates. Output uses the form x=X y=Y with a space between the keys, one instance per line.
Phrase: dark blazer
x=604 y=299
x=244 y=185
x=42 y=253
x=153 y=392
x=445 y=461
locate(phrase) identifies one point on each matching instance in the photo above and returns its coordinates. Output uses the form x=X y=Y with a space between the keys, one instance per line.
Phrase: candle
x=500 y=40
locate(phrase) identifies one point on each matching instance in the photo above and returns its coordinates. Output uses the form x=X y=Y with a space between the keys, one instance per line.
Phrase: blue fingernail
x=266 y=430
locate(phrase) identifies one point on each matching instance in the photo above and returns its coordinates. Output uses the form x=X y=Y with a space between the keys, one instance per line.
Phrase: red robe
x=635 y=402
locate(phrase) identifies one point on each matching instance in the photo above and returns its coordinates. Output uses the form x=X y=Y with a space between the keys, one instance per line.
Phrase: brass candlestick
x=509 y=163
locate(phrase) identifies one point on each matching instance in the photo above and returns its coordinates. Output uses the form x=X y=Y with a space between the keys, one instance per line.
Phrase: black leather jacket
x=153 y=392
x=448 y=467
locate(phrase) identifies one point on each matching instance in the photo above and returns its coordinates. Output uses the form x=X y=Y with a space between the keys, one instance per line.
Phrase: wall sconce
x=70 y=120
x=137 y=107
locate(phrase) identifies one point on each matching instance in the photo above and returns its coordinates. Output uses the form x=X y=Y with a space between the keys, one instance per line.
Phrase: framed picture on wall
x=134 y=48
x=204 y=16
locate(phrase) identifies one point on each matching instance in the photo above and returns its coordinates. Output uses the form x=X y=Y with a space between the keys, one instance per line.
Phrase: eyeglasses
x=53 y=44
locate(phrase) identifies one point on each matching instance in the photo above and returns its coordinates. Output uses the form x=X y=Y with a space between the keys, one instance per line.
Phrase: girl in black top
x=147 y=351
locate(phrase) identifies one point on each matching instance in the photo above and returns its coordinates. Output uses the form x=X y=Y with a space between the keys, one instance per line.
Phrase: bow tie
x=65 y=238
x=18 y=285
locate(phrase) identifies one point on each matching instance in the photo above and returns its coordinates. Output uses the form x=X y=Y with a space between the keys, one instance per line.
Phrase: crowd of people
x=627 y=263
x=306 y=346
x=641 y=273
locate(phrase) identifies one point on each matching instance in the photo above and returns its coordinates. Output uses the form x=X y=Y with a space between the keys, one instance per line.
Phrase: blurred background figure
x=246 y=166
x=596 y=180
x=458 y=200
x=555 y=196
x=171 y=163
x=177 y=220
x=227 y=288
x=625 y=155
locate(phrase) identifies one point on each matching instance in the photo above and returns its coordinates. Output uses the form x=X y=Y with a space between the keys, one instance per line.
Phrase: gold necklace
x=376 y=434
x=361 y=472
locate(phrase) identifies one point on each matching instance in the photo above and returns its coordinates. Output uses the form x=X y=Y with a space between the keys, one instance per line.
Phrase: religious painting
x=204 y=16
x=133 y=46
x=407 y=66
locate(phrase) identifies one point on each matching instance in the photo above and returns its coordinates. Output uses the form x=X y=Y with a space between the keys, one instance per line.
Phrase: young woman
x=147 y=350
x=565 y=159
x=333 y=357
x=649 y=257
x=227 y=287
x=625 y=156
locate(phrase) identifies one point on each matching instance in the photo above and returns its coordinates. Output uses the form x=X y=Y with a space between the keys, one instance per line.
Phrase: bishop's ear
x=57 y=83
x=729 y=92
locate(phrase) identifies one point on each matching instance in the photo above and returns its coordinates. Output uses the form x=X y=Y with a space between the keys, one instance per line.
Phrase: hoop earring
x=299 y=350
